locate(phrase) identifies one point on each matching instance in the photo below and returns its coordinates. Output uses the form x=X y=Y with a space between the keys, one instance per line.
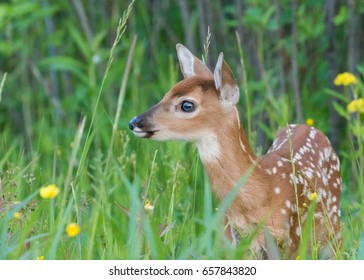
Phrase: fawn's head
x=195 y=107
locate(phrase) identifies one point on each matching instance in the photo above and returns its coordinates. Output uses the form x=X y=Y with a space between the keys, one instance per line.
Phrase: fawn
x=300 y=168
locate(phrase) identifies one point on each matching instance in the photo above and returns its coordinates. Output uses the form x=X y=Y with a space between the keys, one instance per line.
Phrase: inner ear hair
x=225 y=82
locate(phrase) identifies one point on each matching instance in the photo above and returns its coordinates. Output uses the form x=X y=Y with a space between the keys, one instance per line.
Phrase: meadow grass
x=134 y=198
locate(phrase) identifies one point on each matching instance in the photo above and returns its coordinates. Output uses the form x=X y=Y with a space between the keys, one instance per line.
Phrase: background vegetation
x=72 y=75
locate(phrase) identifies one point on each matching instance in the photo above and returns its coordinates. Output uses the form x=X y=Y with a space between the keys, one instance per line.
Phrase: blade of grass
x=71 y=164
x=121 y=100
x=246 y=93
x=307 y=232
x=51 y=253
x=2 y=85
x=273 y=252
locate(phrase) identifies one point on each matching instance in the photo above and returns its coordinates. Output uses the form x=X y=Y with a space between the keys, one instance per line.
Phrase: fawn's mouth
x=139 y=125
x=143 y=134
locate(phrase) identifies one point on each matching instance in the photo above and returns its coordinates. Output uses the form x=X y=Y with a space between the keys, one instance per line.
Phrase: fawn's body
x=201 y=108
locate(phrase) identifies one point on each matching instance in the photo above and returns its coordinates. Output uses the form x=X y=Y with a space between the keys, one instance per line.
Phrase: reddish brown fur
x=183 y=87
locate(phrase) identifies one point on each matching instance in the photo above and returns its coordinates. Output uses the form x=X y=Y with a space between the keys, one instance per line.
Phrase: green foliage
x=64 y=116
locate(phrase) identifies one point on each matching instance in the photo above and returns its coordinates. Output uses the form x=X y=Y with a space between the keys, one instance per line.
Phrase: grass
x=106 y=175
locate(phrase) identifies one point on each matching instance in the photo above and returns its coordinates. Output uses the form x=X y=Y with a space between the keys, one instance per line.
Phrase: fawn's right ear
x=225 y=82
x=191 y=65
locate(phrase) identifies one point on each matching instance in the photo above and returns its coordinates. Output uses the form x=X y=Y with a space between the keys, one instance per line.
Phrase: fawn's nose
x=135 y=122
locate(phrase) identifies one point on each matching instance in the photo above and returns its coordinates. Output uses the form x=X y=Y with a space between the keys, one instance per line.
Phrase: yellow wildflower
x=310 y=122
x=304 y=205
x=50 y=191
x=313 y=196
x=73 y=230
x=345 y=79
x=40 y=258
x=298 y=258
x=356 y=105
x=148 y=206
x=17 y=215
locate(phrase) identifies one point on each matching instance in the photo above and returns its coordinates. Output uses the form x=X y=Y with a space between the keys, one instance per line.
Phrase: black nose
x=134 y=122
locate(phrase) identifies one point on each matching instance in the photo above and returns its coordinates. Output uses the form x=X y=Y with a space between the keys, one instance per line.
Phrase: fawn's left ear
x=225 y=82
x=190 y=65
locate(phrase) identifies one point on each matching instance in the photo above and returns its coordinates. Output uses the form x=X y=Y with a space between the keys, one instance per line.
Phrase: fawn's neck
x=226 y=156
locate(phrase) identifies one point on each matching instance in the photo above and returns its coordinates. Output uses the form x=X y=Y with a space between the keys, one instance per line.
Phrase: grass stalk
x=71 y=164
x=245 y=90
x=293 y=174
x=120 y=100
x=2 y=85
x=206 y=45
x=145 y=193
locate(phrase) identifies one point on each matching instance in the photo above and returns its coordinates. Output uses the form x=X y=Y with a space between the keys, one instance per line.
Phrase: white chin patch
x=140 y=133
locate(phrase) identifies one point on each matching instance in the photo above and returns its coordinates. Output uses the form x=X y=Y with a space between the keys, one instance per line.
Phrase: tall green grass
x=107 y=176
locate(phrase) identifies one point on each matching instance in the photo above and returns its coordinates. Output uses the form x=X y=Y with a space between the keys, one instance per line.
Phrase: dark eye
x=187 y=106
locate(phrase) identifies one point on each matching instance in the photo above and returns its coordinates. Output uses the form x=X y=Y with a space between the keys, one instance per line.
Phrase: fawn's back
x=303 y=168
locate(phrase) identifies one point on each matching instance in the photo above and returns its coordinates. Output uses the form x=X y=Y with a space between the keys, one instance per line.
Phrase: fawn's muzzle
x=140 y=127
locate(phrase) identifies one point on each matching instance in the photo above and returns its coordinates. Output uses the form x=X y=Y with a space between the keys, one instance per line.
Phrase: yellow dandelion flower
x=310 y=122
x=40 y=258
x=148 y=206
x=313 y=196
x=73 y=230
x=17 y=215
x=345 y=79
x=50 y=191
x=356 y=105
x=298 y=258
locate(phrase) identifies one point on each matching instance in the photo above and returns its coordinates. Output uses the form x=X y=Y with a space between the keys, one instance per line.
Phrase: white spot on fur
x=308 y=173
x=277 y=190
x=325 y=179
x=338 y=181
x=324 y=194
x=288 y=204
x=312 y=133
x=290 y=242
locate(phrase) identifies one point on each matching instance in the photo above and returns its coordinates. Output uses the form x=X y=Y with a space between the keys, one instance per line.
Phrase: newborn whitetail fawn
x=201 y=109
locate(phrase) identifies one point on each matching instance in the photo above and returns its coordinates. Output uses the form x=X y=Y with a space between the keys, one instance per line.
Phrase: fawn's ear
x=191 y=65
x=225 y=82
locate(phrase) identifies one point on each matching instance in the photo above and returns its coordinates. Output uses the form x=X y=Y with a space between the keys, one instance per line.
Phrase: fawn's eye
x=187 y=106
